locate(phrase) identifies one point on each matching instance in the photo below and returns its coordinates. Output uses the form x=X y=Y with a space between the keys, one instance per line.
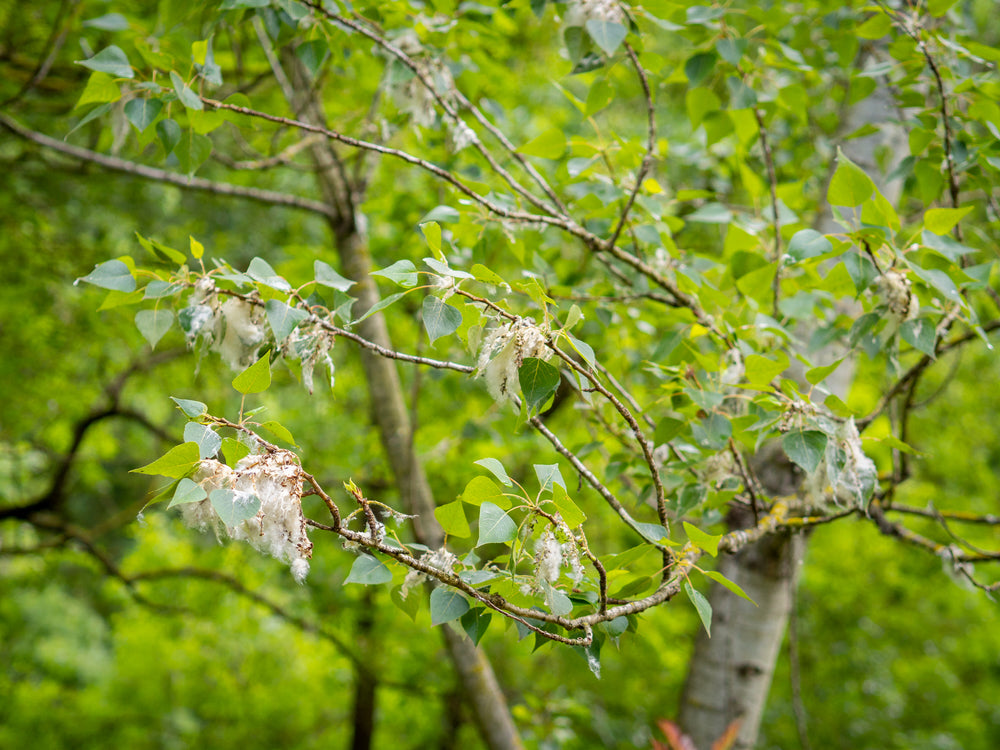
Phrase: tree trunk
x=730 y=673
x=392 y=419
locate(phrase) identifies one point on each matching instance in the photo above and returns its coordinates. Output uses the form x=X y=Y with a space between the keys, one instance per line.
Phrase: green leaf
x=549 y=476
x=283 y=318
x=157 y=289
x=946 y=246
x=279 y=431
x=707 y=542
x=689 y=498
x=819 y=374
x=667 y=429
x=442 y=213
x=234 y=507
x=731 y=50
x=698 y=67
x=205 y=437
x=920 y=334
x=187 y=491
x=762 y=370
x=808 y=243
x=475 y=622
x=188 y=97
x=163 y=494
x=107 y=22
x=805 y=448
x=861 y=270
x=192 y=150
x=837 y=406
x=653 y=532
x=100 y=89
x=403 y=272
x=721 y=579
x=495 y=526
x=112 y=274
x=237 y=4
x=875 y=27
x=234 y=451
x=569 y=511
x=368 y=570
x=701 y=605
x=482 y=489
x=260 y=271
x=447 y=605
x=452 y=518
x=936 y=279
x=197 y=249
x=496 y=468
x=549 y=145
x=602 y=92
x=110 y=60
x=440 y=318
x=380 y=305
x=584 y=349
x=558 y=602
x=539 y=381
x=482 y=273
x=608 y=35
x=326 y=276
x=153 y=324
x=141 y=112
x=892 y=441
x=710 y=213
x=312 y=54
x=849 y=186
x=192 y=409
x=432 y=234
x=256 y=378
x=943 y=220
x=441 y=267
x=169 y=133
x=175 y=463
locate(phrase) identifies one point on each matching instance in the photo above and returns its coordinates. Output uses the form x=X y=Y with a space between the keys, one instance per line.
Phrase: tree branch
x=115 y=164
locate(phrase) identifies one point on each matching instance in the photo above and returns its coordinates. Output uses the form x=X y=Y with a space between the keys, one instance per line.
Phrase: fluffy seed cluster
x=895 y=289
x=413 y=97
x=312 y=349
x=719 y=468
x=582 y=11
x=236 y=328
x=551 y=555
x=504 y=351
x=441 y=559
x=796 y=415
x=278 y=528
x=856 y=480
x=846 y=475
x=735 y=369
x=244 y=333
x=232 y=327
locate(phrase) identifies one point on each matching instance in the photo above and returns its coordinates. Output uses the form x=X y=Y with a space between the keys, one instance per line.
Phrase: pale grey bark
x=730 y=673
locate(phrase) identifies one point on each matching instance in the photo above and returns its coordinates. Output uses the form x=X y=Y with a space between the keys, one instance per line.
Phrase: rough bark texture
x=392 y=419
x=730 y=673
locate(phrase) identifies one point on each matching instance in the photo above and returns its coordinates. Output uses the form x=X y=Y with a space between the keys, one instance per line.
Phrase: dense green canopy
x=630 y=262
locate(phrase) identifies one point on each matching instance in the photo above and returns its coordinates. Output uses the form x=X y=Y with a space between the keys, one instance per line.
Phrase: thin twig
x=647 y=158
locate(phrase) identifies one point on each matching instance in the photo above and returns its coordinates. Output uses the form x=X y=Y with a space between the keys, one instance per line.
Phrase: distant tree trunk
x=730 y=673
x=365 y=682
